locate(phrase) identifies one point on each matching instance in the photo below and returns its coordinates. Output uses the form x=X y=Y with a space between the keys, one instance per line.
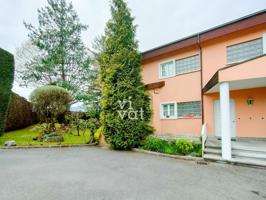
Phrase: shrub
x=184 y=146
x=20 y=112
x=94 y=123
x=49 y=102
x=6 y=81
x=170 y=148
x=98 y=133
x=197 y=150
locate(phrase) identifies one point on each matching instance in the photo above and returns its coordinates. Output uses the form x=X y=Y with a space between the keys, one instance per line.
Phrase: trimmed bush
x=6 y=82
x=184 y=146
x=20 y=114
x=49 y=102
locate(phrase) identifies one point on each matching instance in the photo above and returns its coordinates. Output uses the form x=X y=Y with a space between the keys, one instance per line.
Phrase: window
x=181 y=110
x=189 y=64
x=244 y=51
x=168 y=110
x=189 y=109
x=167 y=69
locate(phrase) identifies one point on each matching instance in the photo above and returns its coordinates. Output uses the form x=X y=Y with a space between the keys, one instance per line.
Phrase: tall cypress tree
x=126 y=111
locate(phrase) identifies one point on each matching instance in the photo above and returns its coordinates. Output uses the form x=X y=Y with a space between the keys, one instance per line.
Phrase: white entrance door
x=217 y=118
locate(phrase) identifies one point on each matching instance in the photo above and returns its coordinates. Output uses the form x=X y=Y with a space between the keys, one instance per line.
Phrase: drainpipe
x=201 y=81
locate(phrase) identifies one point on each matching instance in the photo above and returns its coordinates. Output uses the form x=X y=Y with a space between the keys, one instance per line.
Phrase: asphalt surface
x=95 y=173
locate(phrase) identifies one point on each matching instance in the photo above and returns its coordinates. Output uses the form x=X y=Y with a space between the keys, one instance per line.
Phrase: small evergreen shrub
x=184 y=146
x=49 y=102
x=6 y=82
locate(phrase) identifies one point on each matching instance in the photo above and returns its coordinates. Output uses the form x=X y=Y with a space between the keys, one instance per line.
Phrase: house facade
x=216 y=77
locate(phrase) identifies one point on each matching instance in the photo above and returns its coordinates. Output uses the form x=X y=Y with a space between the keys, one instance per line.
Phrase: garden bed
x=189 y=158
x=178 y=147
x=24 y=137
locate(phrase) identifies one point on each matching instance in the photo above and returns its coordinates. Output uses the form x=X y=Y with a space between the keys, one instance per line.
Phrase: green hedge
x=6 y=82
x=20 y=114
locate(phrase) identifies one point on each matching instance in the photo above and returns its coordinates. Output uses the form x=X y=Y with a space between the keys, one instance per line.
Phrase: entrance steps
x=246 y=152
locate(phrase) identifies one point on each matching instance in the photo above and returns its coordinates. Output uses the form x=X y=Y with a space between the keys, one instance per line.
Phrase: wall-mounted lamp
x=250 y=101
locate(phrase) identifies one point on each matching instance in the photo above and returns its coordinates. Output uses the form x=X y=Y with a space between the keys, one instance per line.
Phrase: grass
x=24 y=137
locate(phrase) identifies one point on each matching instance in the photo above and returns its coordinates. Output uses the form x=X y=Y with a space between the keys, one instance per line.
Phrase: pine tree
x=125 y=107
x=64 y=58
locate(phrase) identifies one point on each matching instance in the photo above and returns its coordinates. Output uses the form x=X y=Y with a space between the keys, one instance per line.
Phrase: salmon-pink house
x=216 y=77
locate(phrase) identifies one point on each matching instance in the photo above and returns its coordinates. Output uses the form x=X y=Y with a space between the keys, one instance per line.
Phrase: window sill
x=185 y=73
x=245 y=60
x=166 y=77
x=171 y=118
x=189 y=117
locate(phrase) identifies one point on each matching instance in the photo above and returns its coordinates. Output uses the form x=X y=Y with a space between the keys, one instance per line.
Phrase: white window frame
x=176 y=111
x=167 y=103
x=160 y=69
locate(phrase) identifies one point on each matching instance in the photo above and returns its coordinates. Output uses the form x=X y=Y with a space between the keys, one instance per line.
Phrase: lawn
x=25 y=137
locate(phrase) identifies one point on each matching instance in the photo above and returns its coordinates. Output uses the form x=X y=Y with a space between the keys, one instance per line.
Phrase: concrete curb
x=188 y=158
x=48 y=146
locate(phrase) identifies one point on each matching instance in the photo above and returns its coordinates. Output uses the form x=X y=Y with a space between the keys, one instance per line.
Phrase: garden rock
x=10 y=143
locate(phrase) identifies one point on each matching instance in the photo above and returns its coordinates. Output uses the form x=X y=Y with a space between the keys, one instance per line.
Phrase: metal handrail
x=204 y=136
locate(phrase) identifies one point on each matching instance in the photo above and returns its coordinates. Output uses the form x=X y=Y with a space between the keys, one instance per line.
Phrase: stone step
x=238 y=153
x=258 y=149
x=212 y=157
x=242 y=161
x=216 y=151
x=249 y=154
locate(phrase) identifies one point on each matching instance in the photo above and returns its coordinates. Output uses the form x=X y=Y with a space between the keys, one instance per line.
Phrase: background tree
x=49 y=102
x=94 y=94
x=6 y=82
x=64 y=58
x=120 y=79
x=28 y=57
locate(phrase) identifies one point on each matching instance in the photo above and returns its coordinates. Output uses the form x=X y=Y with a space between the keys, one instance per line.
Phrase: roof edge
x=206 y=31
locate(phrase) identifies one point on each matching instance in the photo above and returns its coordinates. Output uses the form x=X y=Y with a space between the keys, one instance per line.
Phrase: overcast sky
x=159 y=21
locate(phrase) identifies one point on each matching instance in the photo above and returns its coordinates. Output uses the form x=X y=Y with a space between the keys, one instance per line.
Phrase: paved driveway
x=95 y=173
